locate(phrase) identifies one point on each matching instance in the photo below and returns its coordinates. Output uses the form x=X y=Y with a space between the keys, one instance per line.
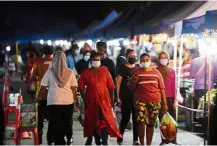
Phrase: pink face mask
x=164 y=62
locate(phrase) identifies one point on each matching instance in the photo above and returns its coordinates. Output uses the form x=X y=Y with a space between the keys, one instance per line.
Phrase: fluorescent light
x=8 y=48
x=49 y=42
x=41 y=42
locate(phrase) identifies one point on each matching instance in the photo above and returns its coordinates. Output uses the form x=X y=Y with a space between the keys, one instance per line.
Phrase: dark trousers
x=43 y=114
x=61 y=120
x=103 y=137
x=171 y=110
x=126 y=109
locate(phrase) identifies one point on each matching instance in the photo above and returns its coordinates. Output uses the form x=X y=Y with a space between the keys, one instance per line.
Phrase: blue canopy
x=90 y=33
x=194 y=25
x=211 y=20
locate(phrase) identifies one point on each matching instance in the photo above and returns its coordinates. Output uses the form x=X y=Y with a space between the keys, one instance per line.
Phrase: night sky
x=82 y=12
x=51 y=19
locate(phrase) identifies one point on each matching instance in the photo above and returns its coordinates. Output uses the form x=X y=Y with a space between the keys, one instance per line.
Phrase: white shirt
x=56 y=95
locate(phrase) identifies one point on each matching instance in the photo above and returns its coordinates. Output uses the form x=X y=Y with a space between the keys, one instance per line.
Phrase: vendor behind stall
x=197 y=72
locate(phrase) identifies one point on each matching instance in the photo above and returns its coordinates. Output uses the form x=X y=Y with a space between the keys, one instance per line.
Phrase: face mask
x=77 y=51
x=132 y=60
x=145 y=64
x=164 y=62
x=96 y=63
x=86 y=58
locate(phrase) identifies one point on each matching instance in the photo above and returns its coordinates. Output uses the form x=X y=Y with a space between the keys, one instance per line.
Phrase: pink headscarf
x=60 y=70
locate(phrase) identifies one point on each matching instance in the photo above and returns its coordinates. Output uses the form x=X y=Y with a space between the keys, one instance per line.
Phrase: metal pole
x=205 y=87
x=209 y=94
x=179 y=71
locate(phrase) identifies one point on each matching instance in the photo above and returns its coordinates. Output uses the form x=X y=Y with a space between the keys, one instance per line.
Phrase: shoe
x=136 y=143
x=120 y=141
x=69 y=141
x=89 y=141
x=40 y=138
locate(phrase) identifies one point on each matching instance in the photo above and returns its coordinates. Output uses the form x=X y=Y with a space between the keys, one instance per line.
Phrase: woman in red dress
x=96 y=86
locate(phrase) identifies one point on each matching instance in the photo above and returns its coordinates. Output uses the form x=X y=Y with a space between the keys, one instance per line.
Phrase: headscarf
x=60 y=70
x=164 y=70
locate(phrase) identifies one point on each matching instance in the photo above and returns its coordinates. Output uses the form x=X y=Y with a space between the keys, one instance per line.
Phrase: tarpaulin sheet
x=194 y=25
x=211 y=20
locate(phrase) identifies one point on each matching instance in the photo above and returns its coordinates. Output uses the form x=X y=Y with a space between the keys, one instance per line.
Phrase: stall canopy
x=85 y=32
x=211 y=20
x=103 y=32
x=194 y=25
x=195 y=22
x=168 y=16
x=107 y=21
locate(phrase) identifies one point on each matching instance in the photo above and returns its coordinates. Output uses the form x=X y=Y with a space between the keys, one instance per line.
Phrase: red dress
x=98 y=99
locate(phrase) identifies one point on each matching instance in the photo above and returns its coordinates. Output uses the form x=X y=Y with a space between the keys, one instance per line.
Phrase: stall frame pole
x=205 y=105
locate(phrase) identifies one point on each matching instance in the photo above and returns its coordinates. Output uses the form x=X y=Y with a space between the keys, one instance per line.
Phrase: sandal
x=120 y=141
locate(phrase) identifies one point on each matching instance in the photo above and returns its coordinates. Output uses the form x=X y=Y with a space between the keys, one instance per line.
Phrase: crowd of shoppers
x=135 y=85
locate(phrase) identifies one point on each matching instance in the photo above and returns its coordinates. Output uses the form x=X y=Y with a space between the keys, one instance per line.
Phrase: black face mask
x=132 y=60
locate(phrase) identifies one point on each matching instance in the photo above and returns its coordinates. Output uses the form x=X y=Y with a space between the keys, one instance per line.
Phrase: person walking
x=33 y=57
x=125 y=95
x=149 y=97
x=61 y=83
x=169 y=78
x=83 y=64
x=99 y=117
x=39 y=70
x=121 y=59
x=72 y=57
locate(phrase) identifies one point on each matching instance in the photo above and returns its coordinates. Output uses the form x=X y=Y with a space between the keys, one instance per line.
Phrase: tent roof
x=207 y=6
x=104 y=23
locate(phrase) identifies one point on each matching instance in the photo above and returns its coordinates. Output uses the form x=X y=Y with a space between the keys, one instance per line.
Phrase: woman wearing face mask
x=125 y=95
x=149 y=97
x=99 y=117
x=83 y=63
x=169 y=78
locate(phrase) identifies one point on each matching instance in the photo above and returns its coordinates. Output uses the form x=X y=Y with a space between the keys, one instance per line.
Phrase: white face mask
x=96 y=63
x=77 y=51
x=164 y=62
x=145 y=64
x=86 y=58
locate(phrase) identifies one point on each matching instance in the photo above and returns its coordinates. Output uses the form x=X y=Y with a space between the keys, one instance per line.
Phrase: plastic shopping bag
x=167 y=119
x=157 y=123
x=168 y=129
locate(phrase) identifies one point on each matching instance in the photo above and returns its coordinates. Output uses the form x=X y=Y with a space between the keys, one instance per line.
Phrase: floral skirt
x=147 y=113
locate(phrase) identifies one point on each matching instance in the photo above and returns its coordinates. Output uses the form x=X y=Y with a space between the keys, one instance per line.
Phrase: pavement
x=183 y=137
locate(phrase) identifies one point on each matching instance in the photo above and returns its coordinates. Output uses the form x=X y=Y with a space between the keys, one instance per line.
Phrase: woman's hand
x=164 y=108
x=174 y=104
x=119 y=100
x=134 y=79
